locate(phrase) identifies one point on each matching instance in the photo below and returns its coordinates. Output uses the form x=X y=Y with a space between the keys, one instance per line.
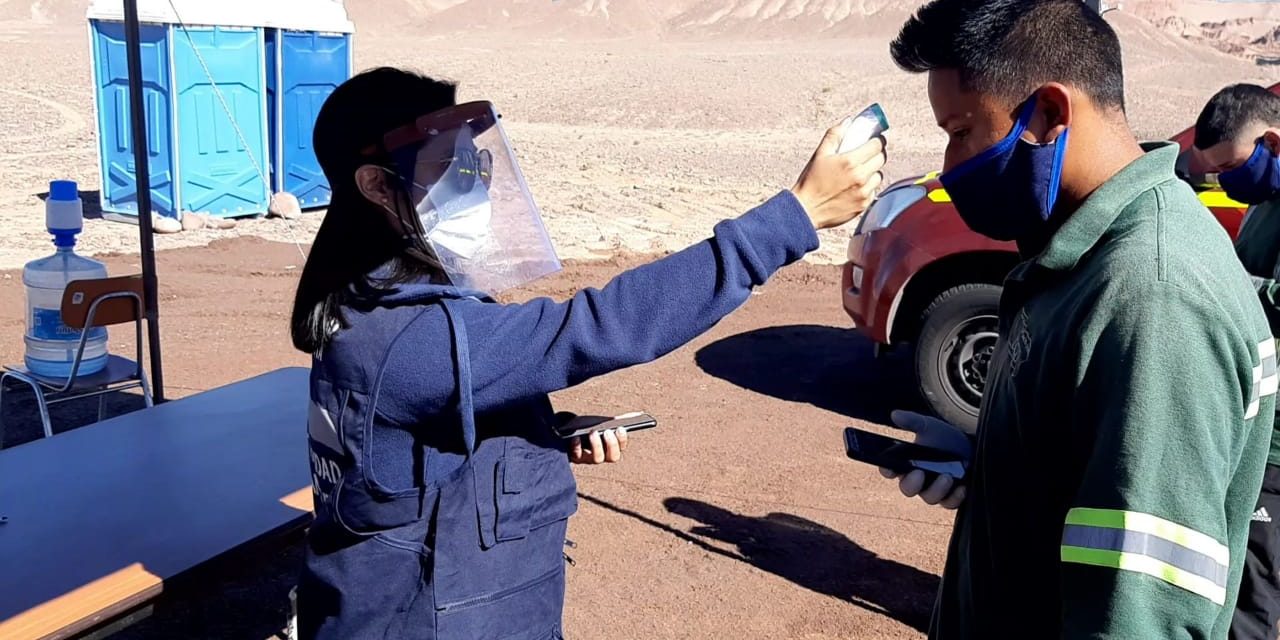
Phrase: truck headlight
x=889 y=206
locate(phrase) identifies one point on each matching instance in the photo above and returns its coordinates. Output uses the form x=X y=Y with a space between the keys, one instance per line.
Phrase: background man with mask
x=1238 y=136
x=1124 y=430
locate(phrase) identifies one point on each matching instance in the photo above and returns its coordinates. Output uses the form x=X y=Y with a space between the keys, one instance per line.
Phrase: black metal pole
x=1102 y=7
x=142 y=173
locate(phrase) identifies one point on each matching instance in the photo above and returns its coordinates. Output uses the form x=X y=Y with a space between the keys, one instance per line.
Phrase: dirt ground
x=638 y=125
x=739 y=516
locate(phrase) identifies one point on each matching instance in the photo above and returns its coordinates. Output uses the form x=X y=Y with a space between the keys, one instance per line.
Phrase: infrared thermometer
x=865 y=126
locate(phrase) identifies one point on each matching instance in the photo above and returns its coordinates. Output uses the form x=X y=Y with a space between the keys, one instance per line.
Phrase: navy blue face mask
x=1256 y=181
x=1008 y=191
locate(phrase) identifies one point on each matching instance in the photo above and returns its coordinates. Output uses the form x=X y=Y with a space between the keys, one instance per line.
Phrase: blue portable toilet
x=309 y=53
x=209 y=106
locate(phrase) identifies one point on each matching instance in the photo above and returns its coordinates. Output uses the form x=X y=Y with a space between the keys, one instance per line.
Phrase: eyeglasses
x=470 y=166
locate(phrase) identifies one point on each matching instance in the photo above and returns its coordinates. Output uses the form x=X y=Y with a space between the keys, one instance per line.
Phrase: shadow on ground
x=806 y=553
x=828 y=367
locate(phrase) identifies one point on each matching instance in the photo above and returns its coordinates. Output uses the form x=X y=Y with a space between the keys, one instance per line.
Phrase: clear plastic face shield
x=471 y=206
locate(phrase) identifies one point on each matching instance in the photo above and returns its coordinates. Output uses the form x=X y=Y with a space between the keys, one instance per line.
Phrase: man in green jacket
x=1128 y=408
x=1238 y=137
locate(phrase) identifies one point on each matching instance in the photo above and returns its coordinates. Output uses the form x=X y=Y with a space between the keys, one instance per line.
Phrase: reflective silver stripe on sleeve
x=1255 y=395
x=1270 y=379
x=1266 y=378
x=1136 y=542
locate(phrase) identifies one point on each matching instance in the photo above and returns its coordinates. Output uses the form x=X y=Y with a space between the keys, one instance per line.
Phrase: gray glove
x=936 y=434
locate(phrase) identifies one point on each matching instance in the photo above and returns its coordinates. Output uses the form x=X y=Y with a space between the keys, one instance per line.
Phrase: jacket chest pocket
x=530 y=487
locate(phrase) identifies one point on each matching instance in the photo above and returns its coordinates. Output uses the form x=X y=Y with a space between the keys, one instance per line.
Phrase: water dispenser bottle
x=51 y=345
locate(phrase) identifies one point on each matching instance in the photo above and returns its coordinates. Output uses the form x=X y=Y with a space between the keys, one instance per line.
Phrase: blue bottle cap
x=63 y=191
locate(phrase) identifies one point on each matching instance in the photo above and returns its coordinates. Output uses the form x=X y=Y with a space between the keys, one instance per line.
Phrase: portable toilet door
x=205 y=81
x=221 y=114
x=119 y=190
x=308 y=56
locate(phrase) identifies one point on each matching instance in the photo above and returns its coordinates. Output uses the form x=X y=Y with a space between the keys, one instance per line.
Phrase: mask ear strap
x=410 y=227
x=998 y=149
x=1055 y=181
x=1259 y=150
x=1025 y=113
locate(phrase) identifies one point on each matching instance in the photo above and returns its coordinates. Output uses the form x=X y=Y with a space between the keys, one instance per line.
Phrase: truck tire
x=957 y=340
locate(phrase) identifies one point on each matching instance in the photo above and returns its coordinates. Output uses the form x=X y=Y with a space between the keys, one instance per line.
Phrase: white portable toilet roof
x=299 y=15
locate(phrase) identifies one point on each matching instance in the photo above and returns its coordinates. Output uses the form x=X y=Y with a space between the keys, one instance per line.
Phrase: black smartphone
x=583 y=425
x=901 y=457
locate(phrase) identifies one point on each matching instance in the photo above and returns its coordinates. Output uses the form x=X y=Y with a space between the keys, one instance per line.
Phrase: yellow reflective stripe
x=1215 y=198
x=1146 y=523
x=928 y=176
x=1149 y=566
x=1218 y=199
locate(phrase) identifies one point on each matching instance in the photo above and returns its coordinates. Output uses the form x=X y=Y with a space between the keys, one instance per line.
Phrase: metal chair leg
x=102 y=407
x=3 y=380
x=146 y=390
x=40 y=401
x=44 y=411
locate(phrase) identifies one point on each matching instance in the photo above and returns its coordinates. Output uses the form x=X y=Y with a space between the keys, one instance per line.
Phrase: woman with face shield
x=442 y=493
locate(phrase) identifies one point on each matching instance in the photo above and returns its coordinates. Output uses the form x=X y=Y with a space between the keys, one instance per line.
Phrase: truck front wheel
x=957 y=340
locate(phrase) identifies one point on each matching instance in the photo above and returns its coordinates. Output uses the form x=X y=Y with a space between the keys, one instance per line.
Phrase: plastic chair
x=87 y=304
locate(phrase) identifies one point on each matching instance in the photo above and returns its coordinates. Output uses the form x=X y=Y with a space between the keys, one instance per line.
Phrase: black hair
x=1009 y=48
x=1233 y=109
x=356 y=237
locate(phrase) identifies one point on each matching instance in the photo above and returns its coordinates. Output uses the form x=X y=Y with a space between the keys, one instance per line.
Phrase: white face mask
x=458 y=221
x=461 y=223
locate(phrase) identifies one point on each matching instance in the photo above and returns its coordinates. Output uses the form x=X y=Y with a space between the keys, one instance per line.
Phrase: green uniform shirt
x=1124 y=430
x=1258 y=247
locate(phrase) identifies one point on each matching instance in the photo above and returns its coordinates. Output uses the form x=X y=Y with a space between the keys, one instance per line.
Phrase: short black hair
x=1009 y=48
x=1231 y=110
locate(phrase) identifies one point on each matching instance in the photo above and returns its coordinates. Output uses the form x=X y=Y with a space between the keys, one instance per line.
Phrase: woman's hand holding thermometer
x=843 y=176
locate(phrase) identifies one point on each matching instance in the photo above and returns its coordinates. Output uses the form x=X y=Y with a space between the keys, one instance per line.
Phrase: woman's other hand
x=598 y=446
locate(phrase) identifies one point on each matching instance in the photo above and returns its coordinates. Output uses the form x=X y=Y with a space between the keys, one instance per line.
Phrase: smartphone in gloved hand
x=902 y=457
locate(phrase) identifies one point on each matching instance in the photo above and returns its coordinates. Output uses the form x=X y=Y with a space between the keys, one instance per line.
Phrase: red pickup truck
x=916 y=274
